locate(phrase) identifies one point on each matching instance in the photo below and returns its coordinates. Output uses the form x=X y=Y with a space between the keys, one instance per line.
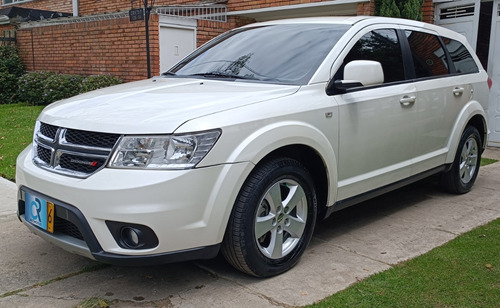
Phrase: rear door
x=441 y=67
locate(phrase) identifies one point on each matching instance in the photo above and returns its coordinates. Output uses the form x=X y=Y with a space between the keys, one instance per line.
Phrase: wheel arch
x=314 y=163
x=472 y=114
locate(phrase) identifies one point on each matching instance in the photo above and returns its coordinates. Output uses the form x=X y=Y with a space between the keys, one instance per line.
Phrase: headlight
x=163 y=152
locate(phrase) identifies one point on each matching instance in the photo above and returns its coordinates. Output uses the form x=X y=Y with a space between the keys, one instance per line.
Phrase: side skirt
x=342 y=204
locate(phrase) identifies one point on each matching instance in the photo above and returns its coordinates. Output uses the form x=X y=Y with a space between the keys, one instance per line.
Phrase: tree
x=409 y=9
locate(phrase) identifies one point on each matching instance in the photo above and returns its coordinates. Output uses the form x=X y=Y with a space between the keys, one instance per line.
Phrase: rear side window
x=429 y=58
x=461 y=57
x=382 y=46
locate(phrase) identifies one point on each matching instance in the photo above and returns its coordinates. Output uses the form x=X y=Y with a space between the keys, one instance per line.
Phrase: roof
x=21 y=14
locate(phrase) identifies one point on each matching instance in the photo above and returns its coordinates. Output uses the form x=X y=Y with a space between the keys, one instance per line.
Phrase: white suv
x=247 y=142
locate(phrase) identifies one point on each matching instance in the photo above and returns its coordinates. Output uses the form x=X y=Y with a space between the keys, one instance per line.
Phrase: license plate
x=39 y=212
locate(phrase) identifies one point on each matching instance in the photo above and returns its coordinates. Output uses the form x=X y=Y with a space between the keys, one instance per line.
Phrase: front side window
x=283 y=54
x=429 y=58
x=381 y=46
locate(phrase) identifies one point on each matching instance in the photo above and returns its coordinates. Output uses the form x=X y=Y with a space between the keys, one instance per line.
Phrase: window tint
x=460 y=56
x=381 y=46
x=428 y=55
x=286 y=54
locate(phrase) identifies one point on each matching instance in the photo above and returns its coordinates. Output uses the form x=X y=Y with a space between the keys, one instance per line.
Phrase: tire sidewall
x=289 y=169
x=459 y=185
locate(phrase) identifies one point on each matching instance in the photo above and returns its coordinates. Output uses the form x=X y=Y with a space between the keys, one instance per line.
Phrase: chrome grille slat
x=72 y=152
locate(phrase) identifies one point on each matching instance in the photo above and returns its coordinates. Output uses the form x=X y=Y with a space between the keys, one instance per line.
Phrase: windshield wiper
x=167 y=73
x=221 y=75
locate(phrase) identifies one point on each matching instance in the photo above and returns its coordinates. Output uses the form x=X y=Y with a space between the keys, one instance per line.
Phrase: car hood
x=156 y=106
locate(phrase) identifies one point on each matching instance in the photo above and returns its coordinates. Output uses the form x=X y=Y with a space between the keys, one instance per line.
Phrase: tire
x=272 y=220
x=465 y=168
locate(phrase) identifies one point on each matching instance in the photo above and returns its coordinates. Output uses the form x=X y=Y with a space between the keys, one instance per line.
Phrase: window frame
x=403 y=43
x=12 y=2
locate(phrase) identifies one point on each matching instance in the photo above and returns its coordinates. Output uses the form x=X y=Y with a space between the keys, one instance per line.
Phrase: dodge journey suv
x=247 y=142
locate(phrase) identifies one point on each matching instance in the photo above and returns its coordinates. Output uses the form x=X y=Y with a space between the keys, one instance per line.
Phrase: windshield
x=284 y=54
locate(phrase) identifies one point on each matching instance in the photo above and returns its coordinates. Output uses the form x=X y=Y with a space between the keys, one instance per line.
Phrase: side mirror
x=357 y=73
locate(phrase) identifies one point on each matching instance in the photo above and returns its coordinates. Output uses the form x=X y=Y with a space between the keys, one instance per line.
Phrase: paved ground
x=349 y=246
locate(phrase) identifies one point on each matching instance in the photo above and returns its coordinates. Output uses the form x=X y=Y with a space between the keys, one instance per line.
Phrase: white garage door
x=494 y=72
x=177 y=40
x=460 y=16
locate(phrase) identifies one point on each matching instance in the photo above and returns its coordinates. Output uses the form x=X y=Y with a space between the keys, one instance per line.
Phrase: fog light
x=131 y=237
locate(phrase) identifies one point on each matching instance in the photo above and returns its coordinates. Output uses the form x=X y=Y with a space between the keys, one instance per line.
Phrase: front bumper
x=186 y=209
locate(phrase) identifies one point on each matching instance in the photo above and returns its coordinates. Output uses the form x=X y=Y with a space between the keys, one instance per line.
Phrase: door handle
x=458 y=91
x=407 y=100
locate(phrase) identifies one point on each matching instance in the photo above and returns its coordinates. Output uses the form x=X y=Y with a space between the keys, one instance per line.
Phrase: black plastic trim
x=201 y=253
x=67 y=212
x=148 y=239
x=342 y=204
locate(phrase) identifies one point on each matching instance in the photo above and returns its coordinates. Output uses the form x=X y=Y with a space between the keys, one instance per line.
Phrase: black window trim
x=408 y=65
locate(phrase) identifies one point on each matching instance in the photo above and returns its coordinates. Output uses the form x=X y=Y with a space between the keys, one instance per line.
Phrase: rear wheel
x=272 y=220
x=465 y=168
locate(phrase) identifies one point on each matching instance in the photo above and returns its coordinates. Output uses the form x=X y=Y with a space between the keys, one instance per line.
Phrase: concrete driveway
x=349 y=246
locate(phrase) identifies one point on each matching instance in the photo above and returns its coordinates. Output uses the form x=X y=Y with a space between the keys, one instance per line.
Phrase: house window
x=5 y=2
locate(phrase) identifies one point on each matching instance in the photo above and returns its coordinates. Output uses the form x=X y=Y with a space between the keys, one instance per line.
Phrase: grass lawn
x=462 y=273
x=16 y=132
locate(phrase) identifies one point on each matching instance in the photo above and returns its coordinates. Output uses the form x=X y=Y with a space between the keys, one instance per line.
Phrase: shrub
x=95 y=82
x=11 y=68
x=43 y=88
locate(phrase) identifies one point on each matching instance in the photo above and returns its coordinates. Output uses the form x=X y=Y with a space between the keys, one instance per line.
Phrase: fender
x=269 y=138
x=470 y=110
x=253 y=149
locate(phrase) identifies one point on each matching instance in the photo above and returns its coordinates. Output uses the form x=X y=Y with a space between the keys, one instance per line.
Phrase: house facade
x=100 y=37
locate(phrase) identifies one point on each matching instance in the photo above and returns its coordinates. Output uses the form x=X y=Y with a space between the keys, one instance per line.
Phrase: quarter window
x=461 y=57
x=381 y=46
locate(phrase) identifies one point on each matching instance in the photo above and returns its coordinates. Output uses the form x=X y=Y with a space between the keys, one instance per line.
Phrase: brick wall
x=207 y=30
x=428 y=11
x=114 y=47
x=366 y=8
x=90 y=7
x=64 y=6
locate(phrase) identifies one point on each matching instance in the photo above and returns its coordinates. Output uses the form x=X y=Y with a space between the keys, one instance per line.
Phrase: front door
x=376 y=147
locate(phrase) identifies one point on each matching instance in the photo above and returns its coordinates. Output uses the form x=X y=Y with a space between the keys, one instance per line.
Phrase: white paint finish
x=494 y=73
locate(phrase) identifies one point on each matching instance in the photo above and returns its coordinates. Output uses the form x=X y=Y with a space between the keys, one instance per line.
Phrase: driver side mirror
x=358 y=73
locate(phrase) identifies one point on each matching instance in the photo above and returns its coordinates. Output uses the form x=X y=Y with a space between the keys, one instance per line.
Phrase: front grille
x=44 y=154
x=66 y=227
x=75 y=162
x=92 y=139
x=72 y=152
x=48 y=130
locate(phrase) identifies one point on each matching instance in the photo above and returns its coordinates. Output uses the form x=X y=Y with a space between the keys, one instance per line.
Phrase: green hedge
x=43 y=88
x=11 y=68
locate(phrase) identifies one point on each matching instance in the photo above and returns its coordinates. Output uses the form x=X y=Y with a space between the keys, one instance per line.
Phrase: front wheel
x=465 y=168
x=272 y=220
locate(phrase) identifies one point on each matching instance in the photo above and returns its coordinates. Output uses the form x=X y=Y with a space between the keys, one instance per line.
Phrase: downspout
x=75 y=8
